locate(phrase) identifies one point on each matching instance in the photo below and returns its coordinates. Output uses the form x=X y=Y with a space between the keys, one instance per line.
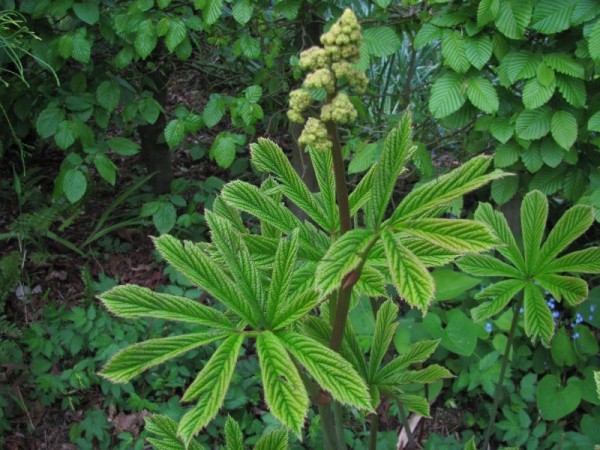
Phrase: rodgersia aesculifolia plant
x=282 y=287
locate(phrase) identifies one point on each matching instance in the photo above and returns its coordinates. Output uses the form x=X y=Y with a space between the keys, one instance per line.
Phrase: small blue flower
x=536 y=282
x=546 y=292
x=592 y=308
x=575 y=336
x=578 y=318
x=488 y=327
x=551 y=304
x=573 y=325
x=590 y=317
x=555 y=314
x=521 y=311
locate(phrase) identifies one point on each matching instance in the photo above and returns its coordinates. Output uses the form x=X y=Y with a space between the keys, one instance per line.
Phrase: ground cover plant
x=346 y=285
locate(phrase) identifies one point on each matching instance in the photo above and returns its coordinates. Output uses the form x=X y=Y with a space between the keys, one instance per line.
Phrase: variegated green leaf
x=582 y=261
x=163 y=434
x=385 y=328
x=345 y=255
x=573 y=290
x=501 y=293
x=410 y=277
x=133 y=360
x=486 y=266
x=329 y=369
x=538 y=318
x=131 y=301
x=569 y=227
x=281 y=278
x=285 y=394
x=534 y=214
x=419 y=352
x=455 y=235
x=210 y=387
x=200 y=269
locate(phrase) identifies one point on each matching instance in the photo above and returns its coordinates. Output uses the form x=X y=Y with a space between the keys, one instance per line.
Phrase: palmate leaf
x=582 y=261
x=534 y=214
x=429 y=374
x=361 y=194
x=295 y=308
x=281 y=277
x=415 y=403
x=285 y=393
x=444 y=189
x=133 y=360
x=501 y=293
x=385 y=328
x=238 y=261
x=163 y=434
x=569 y=227
x=429 y=254
x=498 y=224
x=486 y=266
x=210 y=387
x=538 y=319
x=409 y=275
x=397 y=149
x=268 y=157
x=343 y=256
x=419 y=352
x=200 y=269
x=322 y=163
x=573 y=290
x=455 y=235
x=329 y=369
x=274 y=440
x=234 y=439
x=131 y=301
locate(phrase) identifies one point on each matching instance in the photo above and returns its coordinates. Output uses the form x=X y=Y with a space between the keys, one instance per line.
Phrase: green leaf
x=210 y=387
x=281 y=277
x=66 y=134
x=345 y=255
x=253 y=93
x=48 y=120
x=448 y=94
x=82 y=48
x=87 y=12
x=385 y=329
x=513 y=18
x=274 y=440
x=149 y=109
x=106 y=168
x=518 y=65
x=573 y=290
x=145 y=38
x=535 y=94
x=487 y=11
x=74 y=185
x=562 y=350
x=329 y=369
x=594 y=122
x=594 y=41
x=250 y=199
x=212 y=11
x=552 y=153
x=538 y=319
x=223 y=150
x=482 y=94
x=552 y=16
x=242 y=11
x=573 y=90
x=554 y=400
x=418 y=353
x=164 y=217
x=534 y=124
x=564 y=129
x=250 y=46
x=429 y=374
x=534 y=214
x=426 y=34
x=410 y=277
x=123 y=146
x=501 y=293
x=285 y=393
x=498 y=224
x=175 y=132
x=381 y=41
x=165 y=436
x=213 y=111
x=268 y=157
x=563 y=63
x=234 y=440
x=455 y=235
x=176 y=34
x=397 y=149
x=548 y=180
x=486 y=266
x=199 y=268
x=451 y=285
x=108 y=95
x=454 y=51
x=137 y=358
x=504 y=189
x=134 y=302
x=471 y=444
x=506 y=155
x=532 y=158
x=296 y=307
x=478 y=50
x=582 y=261
x=569 y=227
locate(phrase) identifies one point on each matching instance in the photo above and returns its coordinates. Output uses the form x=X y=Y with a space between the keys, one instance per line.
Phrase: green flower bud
x=340 y=110
x=314 y=58
x=322 y=78
x=358 y=80
x=315 y=135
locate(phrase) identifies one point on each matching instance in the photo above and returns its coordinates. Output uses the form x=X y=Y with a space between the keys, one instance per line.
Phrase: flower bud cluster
x=321 y=78
x=342 y=41
x=315 y=135
x=356 y=78
x=340 y=110
x=300 y=101
x=314 y=58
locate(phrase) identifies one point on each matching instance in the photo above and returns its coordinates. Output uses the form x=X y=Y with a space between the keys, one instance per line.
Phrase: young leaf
x=573 y=290
x=200 y=269
x=582 y=261
x=419 y=352
x=410 y=277
x=345 y=255
x=281 y=278
x=133 y=360
x=323 y=165
x=131 y=301
x=234 y=440
x=455 y=235
x=501 y=293
x=210 y=387
x=429 y=374
x=385 y=328
x=163 y=434
x=415 y=403
x=486 y=266
x=538 y=319
x=361 y=194
x=295 y=308
x=329 y=369
x=285 y=394
x=534 y=213
x=274 y=440
x=396 y=151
